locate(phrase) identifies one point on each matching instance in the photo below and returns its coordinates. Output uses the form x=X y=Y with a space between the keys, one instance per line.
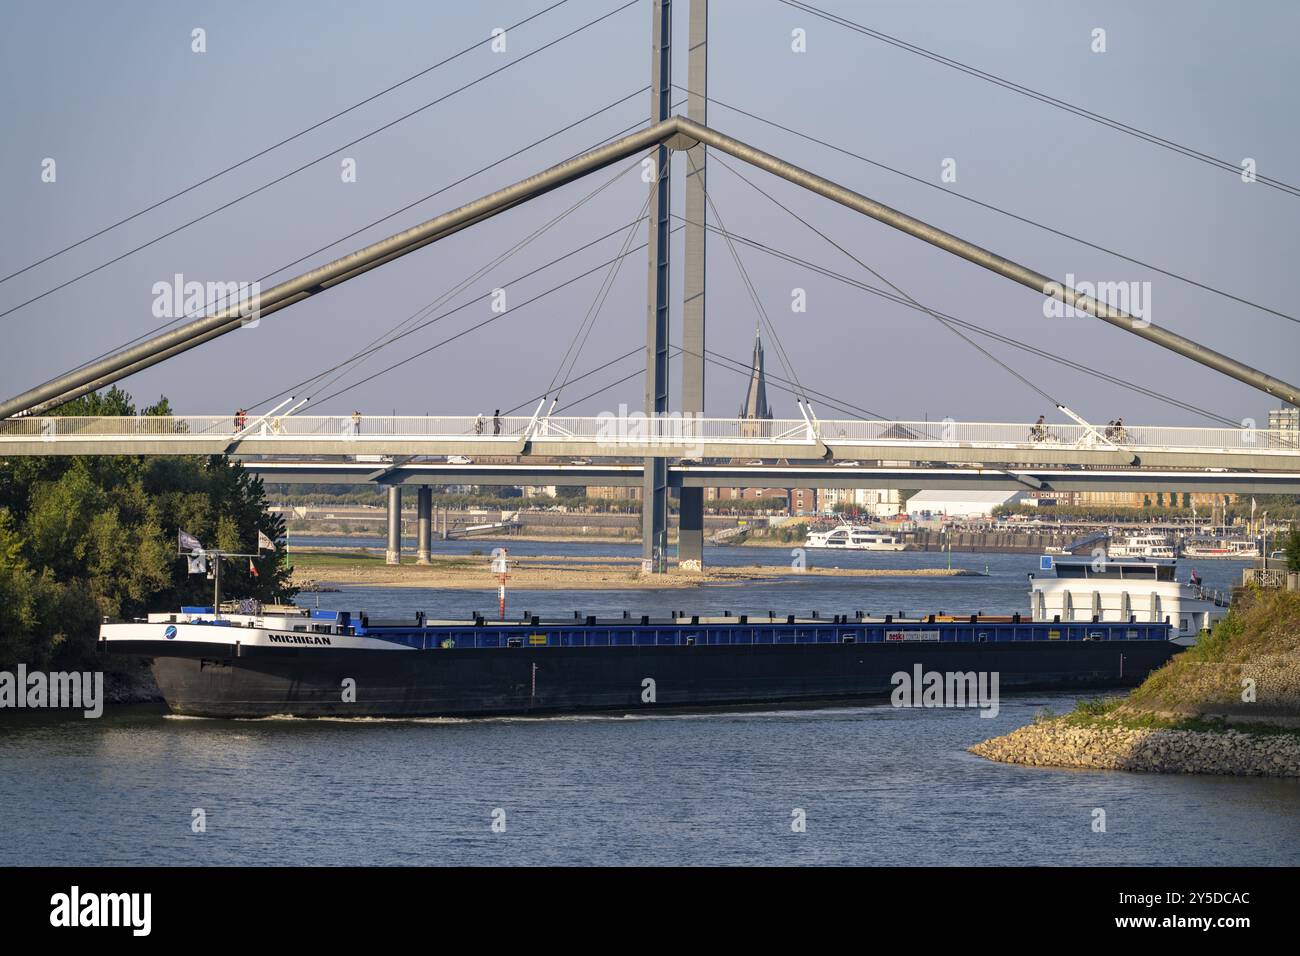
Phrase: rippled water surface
x=878 y=785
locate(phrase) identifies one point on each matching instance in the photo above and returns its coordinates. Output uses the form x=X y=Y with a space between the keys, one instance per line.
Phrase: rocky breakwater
x=1058 y=743
x=1229 y=705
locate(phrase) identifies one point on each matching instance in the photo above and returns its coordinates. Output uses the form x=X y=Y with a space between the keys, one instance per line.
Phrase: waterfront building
x=1202 y=501
x=1287 y=421
x=964 y=504
x=877 y=502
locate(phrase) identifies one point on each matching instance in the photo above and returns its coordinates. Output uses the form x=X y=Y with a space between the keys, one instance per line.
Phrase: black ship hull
x=315 y=682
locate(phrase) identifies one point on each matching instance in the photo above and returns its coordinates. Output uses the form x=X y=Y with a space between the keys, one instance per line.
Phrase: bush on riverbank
x=1247 y=671
x=1249 y=665
x=1247 y=668
x=1230 y=705
x=82 y=538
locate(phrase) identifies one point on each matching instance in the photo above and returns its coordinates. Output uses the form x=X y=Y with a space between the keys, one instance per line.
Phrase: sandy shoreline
x=540 y=537
x=552 y=573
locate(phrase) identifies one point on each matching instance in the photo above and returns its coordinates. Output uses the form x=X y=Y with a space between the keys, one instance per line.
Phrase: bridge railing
x=991 y=434
x=614 y=431
x=296 y=426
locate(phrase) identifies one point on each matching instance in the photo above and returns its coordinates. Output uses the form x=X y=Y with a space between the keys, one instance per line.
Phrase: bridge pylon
x=690 y=502
x=654 y=486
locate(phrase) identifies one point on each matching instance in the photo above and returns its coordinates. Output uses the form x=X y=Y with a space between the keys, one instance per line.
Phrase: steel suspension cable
x=930 y=312
x=1005 y=212
x=593 y=311
x=359 y=358
x=464 y=305
x=479 y=325
x=406 y=208
x=324 y=156
x=274 y=146
x=981 y=330
x=781 y=355
x=1040 y=96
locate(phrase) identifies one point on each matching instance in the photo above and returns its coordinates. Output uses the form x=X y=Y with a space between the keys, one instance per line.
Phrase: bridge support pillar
x=654 y=516
x=393 y=553
x=654 y=487
x=424 y=532
x=690 y=529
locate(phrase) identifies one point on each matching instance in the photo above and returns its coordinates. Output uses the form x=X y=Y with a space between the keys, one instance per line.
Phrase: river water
x=874 y=784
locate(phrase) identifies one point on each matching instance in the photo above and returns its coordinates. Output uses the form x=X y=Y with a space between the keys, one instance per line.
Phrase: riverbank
x=1115 y=746
x=1229 y=705
x=620 y=529
x=130 y=682
x=326 y=567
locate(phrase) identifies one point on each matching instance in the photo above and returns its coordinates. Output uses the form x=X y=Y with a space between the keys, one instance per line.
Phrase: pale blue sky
x=114 y=94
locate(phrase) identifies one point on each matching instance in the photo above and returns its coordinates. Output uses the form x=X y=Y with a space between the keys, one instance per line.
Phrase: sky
x=118 y=98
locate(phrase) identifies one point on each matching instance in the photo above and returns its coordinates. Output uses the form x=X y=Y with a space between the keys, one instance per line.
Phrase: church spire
x=755 y=406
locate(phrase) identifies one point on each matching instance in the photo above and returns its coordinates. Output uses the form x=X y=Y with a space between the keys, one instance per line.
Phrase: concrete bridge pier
x=393 y=554
x=424 y=532
x=690 y=529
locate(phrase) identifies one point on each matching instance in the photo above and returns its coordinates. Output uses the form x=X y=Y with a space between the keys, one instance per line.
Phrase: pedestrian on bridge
x=496 y=422
x=356 y=423
x=1039 y=431
x=478 y=424
x=241 y=419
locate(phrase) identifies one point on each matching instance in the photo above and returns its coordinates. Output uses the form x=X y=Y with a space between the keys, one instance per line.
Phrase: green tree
x=82 y=538
x=1292 y=548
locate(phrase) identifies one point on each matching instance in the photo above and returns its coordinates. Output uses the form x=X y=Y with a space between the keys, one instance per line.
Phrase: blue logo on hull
x=170 y=632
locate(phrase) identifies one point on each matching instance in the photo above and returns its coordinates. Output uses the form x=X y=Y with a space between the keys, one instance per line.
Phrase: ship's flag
x=187 y=542
x=264 y=543
x=252 y=568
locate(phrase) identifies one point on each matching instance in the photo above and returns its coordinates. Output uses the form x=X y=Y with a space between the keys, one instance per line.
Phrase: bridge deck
x=636 y=436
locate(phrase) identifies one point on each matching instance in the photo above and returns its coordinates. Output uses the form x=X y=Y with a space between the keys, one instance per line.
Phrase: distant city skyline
x=130 y=113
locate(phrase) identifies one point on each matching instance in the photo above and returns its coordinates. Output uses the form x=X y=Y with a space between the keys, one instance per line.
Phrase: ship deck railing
x=462 y=635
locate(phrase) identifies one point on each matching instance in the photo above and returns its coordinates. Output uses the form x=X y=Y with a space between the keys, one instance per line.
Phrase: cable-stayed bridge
x=665 y=448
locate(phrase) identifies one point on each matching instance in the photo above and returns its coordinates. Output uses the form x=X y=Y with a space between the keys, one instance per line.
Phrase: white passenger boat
x=1223 y=548
x=1142 y=546
x=1086 y=587
x=853 y=537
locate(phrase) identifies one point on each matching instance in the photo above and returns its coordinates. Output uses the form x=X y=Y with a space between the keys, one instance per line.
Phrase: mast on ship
x=208 y=560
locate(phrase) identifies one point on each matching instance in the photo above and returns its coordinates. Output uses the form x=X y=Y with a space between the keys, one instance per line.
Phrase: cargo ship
x=314 y=663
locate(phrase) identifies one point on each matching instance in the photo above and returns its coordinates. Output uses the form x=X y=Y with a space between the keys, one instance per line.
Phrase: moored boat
x=852 y=537
x=1148 y=545
x=1237 y=548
